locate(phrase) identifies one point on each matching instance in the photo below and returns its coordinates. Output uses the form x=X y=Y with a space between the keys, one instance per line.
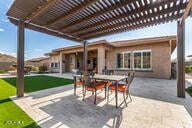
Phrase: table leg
x=116 y=95
x=75 y=86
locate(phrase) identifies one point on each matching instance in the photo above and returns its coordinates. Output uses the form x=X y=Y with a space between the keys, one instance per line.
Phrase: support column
x=181 y=59
x=85 y=56
x=20 y=59
x=62 y=63
x=101 y=59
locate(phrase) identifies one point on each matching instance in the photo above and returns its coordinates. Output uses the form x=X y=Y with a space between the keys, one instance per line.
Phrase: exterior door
x=94 y=63
x=78 y=62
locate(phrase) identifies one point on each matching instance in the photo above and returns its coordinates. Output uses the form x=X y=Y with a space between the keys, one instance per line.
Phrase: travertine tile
x=154 y=105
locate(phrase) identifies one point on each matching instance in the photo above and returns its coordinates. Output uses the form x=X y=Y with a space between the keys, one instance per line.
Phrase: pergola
x=81 y=20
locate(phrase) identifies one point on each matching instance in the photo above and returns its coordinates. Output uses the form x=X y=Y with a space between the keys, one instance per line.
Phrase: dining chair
x=107 y=72
x=79 y=80
x=90 y=85
x=123 y=87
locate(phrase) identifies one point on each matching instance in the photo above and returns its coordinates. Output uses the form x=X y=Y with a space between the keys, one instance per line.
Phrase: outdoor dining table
x=115 y=78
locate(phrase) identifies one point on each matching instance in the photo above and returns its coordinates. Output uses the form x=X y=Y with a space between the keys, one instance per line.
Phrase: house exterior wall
x=54 y=59
x=71 y=61
x=106 y=54
x=161 y=60
x=45 y=62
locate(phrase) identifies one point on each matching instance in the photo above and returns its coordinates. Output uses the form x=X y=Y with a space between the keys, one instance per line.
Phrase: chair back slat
x=87 y=79
x=130 y=79
x=107 y=72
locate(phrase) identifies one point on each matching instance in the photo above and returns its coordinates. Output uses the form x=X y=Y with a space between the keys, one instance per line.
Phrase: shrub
x=187 y=69
x=3 y=71
x=190 y=67
x=12 y=68
x=42 y=68
x=33 y=68
x=189 y=90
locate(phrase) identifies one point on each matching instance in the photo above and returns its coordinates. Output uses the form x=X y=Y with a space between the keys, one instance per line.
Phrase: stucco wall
x=54 y=59
x=161 y=57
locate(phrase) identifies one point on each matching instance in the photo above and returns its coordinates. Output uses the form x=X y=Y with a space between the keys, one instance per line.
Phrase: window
x=70 y=60
x=123 y=60
x=146 y=60
x=52 y=65
x=142 y=59
x=56 y=65
x=137 y=60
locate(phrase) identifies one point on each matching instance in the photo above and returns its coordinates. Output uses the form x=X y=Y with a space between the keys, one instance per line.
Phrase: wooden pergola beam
x=47 y=31
x=134 y=27
x=41 y=10
x=20 y=58
x=71 y=12
x=187 y=10
x=97 y=14
x=158 y=13
x=133 y=12
x=85 y=55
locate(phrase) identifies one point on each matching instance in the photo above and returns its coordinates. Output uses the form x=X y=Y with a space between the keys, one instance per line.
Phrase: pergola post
x=20 y=59
x=61 y=65
x=181 y=59
x=85 y=55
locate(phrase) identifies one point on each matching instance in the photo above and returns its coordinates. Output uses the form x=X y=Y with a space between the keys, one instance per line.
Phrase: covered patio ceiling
x=80 y=20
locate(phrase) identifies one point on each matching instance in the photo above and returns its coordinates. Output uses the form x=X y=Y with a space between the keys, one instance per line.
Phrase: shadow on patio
x=58 y=107
x=154 y=104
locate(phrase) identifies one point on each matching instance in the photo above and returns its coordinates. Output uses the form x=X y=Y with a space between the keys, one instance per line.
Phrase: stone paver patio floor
x=154 y=105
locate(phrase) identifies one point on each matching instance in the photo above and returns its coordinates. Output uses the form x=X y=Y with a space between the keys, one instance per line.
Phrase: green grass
x=11 y=116
x=189 y=91
x=36 y=83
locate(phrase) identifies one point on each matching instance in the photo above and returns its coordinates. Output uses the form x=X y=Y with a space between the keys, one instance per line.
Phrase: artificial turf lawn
x=36 y=83
x=189 y=91
x=11 y=116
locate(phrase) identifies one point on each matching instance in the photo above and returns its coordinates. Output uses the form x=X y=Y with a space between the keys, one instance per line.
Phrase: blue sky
x=36 y=44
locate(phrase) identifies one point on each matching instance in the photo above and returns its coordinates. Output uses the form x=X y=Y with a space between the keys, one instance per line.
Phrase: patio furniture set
x=108 y=81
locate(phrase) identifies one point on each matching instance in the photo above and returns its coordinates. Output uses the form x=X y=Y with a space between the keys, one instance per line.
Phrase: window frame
x=57 y=65
x=123 y=60
x=70 y=60
x=52 y=64
x=142 y=51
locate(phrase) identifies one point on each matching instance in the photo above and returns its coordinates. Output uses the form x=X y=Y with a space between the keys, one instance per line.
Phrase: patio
x=154 y=105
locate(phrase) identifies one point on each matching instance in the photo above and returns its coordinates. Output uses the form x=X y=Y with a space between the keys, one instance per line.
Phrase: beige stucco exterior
x=54 y=59
x=161 y=59
x=105 y=54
